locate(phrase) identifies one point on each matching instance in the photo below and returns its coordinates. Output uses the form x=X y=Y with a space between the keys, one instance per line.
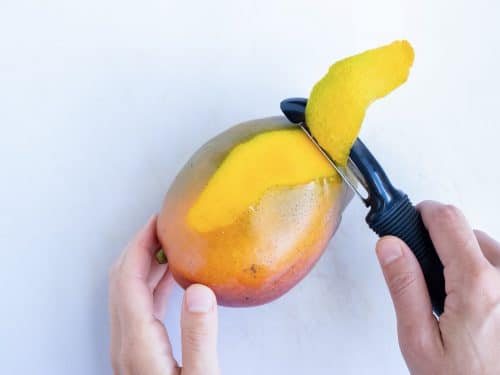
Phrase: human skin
x=465 y=340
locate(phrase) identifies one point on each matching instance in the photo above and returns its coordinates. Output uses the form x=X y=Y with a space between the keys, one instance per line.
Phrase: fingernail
x=388 y=250
x=199 y=299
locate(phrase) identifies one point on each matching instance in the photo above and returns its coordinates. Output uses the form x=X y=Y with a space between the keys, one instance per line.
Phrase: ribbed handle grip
x=401 y=219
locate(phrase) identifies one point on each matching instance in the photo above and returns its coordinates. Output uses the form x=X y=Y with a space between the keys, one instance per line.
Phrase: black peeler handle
x=392 y=213
x=402 y=220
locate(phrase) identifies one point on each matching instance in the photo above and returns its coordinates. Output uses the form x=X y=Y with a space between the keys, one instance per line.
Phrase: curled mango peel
x=286 y=157
x=338 y=102
x=273 y=159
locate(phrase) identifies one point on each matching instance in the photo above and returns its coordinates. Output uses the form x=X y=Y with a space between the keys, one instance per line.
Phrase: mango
x=254 y=208
x=251 y=212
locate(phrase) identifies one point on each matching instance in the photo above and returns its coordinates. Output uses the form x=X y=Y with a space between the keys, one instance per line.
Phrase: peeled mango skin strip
x=334 y=113
x=338 y=102
x=272 y=159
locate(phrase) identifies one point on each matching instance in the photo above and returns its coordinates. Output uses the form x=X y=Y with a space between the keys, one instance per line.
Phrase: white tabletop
x=101 y=103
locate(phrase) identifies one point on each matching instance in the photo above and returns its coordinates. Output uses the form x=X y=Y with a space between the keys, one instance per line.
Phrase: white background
x=101 y=103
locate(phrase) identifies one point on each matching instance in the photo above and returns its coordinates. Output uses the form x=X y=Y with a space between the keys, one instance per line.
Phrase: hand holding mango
x=253 y=210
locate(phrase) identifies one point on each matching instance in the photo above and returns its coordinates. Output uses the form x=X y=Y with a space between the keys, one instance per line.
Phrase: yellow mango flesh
x=338 y=102
x=272 y=159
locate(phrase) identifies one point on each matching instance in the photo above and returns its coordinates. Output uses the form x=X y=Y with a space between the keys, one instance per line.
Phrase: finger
x=134 y=296
x=161 y=293
x=417 y=327
x=137 y=257
x=489 y=246
x=199 y=331
x=453 y=238
x=156 y=273
x=115 y=342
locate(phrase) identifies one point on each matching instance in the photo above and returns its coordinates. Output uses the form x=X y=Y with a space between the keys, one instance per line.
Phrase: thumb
x=199 y=332
x=418 y=329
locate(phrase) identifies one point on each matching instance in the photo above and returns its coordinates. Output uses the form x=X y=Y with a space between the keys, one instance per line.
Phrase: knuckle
x=491 y=299
x=478 y=280
x=400 y=283
x=195 y=338
x=480 y=285
x=414 y=341
x=453 y=304
x=447 y=214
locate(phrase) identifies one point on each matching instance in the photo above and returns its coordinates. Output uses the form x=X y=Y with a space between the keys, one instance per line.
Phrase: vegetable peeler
x=391 y=211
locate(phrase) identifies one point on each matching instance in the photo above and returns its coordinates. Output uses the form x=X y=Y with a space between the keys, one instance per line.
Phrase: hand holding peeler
x=391 y=211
